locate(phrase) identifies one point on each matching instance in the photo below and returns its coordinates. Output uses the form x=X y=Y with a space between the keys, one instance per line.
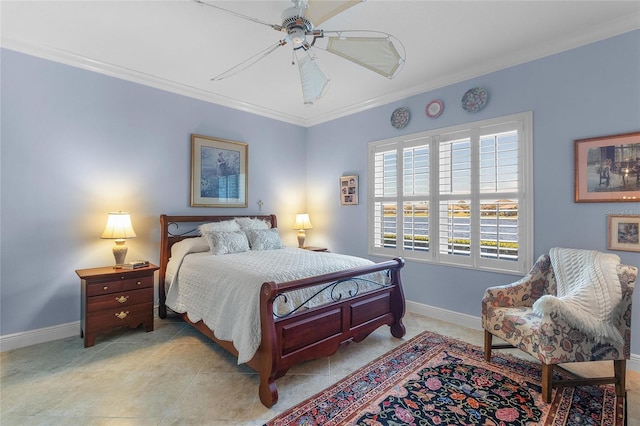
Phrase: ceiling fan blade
x=379 y=54
x=319 y=11
x=248 y=62
x=314 y=82
x=240 y=15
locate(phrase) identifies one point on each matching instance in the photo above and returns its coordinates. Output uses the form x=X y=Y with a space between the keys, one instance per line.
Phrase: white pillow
x=251 y=223
x=190 y=245
x=264 y=239
x=224 y=226
x=227 y=242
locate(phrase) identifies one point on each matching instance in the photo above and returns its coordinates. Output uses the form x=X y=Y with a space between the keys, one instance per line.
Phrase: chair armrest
x=524 y=292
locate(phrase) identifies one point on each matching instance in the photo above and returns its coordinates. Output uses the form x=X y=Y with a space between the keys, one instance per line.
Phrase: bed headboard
x=177 y=228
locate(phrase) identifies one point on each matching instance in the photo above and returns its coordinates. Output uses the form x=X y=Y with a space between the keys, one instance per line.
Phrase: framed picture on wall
x=219 y=173
x=607 y=168
x=624 y=233
x=349 y=190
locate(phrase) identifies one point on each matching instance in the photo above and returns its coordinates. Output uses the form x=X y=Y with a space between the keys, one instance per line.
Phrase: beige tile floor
x=174 y=376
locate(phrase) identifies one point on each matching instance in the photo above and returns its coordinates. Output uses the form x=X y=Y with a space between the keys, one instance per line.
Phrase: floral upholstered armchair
x=508 y=313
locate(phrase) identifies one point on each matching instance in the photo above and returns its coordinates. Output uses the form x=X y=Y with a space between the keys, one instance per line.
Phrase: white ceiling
x=179 y=45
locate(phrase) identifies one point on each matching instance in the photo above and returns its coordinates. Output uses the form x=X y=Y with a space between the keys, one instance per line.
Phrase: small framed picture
x=349 y=190
x=623 y=233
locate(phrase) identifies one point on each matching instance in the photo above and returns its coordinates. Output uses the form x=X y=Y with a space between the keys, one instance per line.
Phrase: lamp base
x=119 y=253
x=302 y=235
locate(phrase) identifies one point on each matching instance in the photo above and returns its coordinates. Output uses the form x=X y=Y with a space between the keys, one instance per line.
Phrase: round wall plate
x=475 y=99
x=400 y=118
x=434 y=108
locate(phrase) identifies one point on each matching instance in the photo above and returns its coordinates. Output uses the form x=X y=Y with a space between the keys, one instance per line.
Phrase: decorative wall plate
x=475 y=99
x=434 y=108
x=400 y=118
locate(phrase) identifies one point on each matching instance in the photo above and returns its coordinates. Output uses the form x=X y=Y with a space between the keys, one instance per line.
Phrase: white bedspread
x=224 y=291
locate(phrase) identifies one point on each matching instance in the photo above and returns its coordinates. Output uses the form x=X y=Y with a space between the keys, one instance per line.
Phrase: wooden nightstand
x=115 y=298
x=312 y=248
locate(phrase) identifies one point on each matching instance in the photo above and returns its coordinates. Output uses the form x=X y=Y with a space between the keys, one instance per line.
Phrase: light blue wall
x=586 y=92
x=76 y=145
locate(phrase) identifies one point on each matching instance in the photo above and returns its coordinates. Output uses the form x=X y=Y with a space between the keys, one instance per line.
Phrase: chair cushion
x=551 y=340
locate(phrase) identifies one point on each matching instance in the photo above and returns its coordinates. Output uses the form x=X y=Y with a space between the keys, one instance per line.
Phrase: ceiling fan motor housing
x=297 y=26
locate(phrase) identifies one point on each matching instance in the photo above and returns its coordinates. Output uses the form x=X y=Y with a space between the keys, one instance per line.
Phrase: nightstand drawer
x=119 y=300
x=114 y=286
x=132 y=316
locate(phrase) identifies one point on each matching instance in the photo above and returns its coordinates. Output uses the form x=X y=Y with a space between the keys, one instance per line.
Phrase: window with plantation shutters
x=458 y=196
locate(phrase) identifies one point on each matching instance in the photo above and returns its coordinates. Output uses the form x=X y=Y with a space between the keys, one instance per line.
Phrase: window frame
x=523 y=123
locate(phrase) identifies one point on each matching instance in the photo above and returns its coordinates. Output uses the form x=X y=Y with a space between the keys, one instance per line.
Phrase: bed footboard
x=320 y=331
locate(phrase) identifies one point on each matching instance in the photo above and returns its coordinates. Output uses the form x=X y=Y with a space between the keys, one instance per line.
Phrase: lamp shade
x=302 y=221
x=118 y=226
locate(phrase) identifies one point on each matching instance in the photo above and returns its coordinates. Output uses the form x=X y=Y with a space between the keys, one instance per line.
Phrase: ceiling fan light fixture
x=298 y=37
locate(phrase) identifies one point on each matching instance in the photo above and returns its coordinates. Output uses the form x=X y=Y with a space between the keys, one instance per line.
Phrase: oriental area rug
x=435 y=380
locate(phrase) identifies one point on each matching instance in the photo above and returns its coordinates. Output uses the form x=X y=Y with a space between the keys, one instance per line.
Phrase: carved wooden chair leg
x=620 y=372
x=547 y=382
x=488 y=337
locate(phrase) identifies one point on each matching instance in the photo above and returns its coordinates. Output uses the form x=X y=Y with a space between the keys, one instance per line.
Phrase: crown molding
x=111 y=70
x=611 y=29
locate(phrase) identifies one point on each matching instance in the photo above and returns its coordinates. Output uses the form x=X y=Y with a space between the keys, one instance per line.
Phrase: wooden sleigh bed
x=304 y=334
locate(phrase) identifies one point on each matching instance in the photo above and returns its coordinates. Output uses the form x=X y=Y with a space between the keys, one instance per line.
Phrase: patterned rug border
x=555 y=413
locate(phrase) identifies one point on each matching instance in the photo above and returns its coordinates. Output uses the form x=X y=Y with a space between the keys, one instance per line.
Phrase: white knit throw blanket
x=588 y=292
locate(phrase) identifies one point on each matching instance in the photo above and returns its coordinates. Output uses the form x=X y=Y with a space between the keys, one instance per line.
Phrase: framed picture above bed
x=219 y=173
x=607 y=168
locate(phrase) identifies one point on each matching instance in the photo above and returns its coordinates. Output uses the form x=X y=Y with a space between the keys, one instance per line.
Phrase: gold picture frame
x=219 y=173
x=607 y=169
x=624 y=233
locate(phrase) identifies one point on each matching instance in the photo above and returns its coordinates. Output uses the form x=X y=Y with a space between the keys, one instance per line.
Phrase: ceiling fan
x=377 y=51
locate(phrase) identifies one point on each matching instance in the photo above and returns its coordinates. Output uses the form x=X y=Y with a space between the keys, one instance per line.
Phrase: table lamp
x=302 y=223
x=119 y=229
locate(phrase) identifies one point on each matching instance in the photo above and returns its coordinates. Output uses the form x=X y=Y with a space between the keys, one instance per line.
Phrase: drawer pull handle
x=122 y=299
x=122 y=315
x=105 y=288
x=139 y=282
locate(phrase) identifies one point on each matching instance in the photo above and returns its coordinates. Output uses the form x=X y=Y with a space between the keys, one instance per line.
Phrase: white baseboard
x=62 y=331
x=32 y=337
x=475 y=323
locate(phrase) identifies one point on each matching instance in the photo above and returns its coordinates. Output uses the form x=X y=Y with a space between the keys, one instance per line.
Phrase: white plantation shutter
x=499 y=189
x=459 y=196
x=454 y=205
x=383 y=230
x=415 y=191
